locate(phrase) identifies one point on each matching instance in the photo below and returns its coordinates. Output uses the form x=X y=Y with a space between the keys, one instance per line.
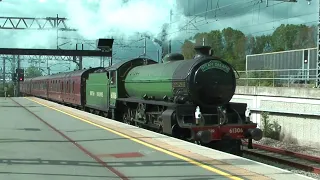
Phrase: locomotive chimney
x=202 y=51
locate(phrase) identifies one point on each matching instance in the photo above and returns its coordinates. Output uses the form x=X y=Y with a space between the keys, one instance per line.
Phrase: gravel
x=312 y=151
x=282 y=166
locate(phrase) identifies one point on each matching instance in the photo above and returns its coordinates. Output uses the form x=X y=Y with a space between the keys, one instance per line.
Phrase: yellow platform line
x=191 y=161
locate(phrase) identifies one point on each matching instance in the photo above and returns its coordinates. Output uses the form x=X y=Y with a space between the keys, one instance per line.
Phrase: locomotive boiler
x=203 y=81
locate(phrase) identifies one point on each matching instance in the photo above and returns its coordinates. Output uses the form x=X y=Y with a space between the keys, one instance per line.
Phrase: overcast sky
x=122 y=19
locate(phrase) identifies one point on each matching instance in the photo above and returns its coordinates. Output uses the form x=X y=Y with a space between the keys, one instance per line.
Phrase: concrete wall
x=308 y=93
x=297 y=110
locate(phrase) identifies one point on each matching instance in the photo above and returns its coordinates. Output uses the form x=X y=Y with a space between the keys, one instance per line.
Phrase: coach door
x=61 y=89
x=46 y=86
x=113 y=87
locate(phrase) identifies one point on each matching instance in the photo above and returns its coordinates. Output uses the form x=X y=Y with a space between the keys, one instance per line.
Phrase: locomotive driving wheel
x=126 y=118
x=141 y=113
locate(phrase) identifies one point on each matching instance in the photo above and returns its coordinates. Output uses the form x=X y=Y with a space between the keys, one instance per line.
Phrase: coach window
x=73 y=86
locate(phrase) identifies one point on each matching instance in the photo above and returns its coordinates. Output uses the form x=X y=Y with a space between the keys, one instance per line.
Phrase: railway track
x=289 y=158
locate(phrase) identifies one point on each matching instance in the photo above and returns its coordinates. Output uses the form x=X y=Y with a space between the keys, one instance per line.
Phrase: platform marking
x=191 y=161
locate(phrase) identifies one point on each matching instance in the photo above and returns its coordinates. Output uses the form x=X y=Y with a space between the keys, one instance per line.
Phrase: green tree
x=32 y=71
x=261 y=44
x=290 y=36
x=304 y=38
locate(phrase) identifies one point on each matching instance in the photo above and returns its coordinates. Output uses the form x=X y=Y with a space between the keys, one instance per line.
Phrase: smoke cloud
x=122 y=19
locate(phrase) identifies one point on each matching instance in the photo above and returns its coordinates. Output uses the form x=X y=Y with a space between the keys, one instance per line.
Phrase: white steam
x=121 y=19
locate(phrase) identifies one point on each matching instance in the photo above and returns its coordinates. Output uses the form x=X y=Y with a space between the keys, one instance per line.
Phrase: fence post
x=288 y=78
x=273 y=84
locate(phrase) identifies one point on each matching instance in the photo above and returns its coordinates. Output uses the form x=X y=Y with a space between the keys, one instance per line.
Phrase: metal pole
x=4 y=72
x=318 y=48
x=57 y=22
x=18 y=85
x=169 y=44
x=145 y=47
x=48 y=66
x=14 y=69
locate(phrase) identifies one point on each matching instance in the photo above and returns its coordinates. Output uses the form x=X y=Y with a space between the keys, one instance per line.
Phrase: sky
x=128 y=20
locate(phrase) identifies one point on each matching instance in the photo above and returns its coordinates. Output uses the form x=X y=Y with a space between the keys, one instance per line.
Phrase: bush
x=10 y=90
x=270 y=130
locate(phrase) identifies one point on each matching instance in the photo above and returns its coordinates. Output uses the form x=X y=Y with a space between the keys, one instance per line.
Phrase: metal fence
x=278 y=78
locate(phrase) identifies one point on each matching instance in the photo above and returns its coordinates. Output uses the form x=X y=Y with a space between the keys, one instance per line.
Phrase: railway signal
x=20 y=74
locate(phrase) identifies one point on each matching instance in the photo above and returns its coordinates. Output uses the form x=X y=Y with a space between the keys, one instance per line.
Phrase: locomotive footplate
x=181 y=120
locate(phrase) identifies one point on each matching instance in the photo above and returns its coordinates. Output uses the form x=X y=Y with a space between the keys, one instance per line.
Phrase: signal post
x=17 y=77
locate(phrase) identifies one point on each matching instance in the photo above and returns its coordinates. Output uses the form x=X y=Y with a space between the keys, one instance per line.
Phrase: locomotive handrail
x=234 y=69
x=236 y=72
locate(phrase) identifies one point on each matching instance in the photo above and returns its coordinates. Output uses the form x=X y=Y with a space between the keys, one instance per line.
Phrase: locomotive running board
x=153 y=102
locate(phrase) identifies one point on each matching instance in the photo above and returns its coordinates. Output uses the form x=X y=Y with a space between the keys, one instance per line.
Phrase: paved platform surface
x=30 y=149
x=107 y=149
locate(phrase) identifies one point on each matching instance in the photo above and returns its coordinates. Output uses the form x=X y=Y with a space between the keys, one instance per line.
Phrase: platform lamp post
x=105 y=45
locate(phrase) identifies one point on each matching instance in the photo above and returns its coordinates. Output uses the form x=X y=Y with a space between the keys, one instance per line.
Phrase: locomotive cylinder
x=204 y=136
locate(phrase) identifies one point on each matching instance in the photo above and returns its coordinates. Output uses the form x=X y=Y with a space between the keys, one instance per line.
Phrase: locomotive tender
x=159 y=96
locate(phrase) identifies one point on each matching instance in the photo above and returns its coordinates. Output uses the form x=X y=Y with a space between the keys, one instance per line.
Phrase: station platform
x=45 y=140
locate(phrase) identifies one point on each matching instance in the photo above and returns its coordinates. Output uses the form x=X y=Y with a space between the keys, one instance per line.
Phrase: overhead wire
x=209 y=22
x=217 y=8
x=257 y=24
x=272 y=21
x=238 y=14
